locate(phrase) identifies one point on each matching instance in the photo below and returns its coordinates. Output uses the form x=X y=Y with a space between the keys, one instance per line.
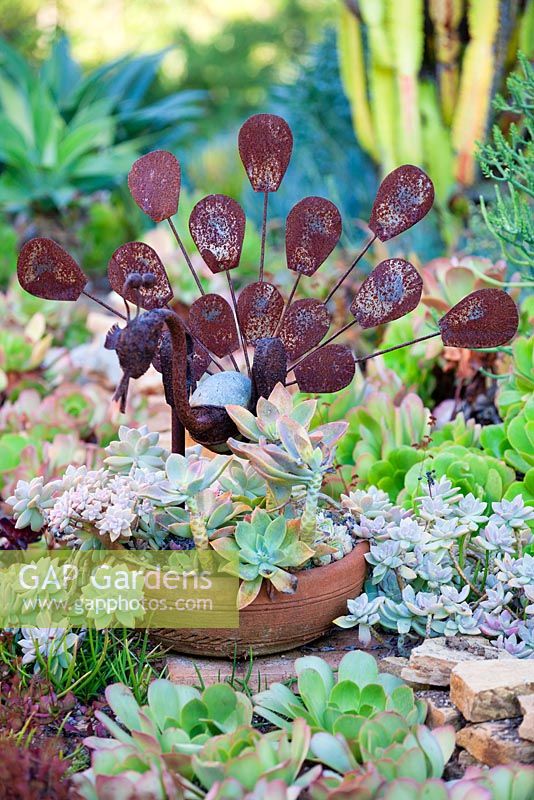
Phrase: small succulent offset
x=217 y=510
x=135 y=448
x=363 y=614
x=52 y=647
x=186 y=477
x=263 y=548
x=338 y=706
x=30 y=502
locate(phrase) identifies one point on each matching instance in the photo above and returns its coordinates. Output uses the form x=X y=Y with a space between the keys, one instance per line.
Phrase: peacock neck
x=179 y=368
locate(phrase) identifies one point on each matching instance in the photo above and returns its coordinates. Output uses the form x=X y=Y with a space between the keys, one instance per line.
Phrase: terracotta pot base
x=288 y=621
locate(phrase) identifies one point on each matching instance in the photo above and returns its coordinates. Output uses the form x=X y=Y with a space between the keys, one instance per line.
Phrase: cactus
x=399 y=116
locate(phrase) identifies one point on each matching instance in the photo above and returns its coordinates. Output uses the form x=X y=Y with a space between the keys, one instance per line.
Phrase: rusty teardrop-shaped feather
x=313 y=228
x=200 y=361
x=265 y=144
x=212 y=321
x=45 y=270
x=154 y=183
x=328 y=370
x=217 y=226
x=404 y=197
x=305 y=324
x=259 y=308
x=392 y=290
x=485 y=318
x=140 y=258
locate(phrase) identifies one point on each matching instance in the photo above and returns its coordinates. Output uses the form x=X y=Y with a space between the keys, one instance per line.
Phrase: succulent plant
x=395 y=748
x=363 y=614
x=338 y=706
x=176 y=722
x=365 y=781
x=186 y=477
x=447 y=567
x=23 y=350
x=519 y=385
x=136 y=447
x=263 y=548
x=250 y=757
x=97 y=508
x=28 y=772
x=231 y=789
x=30 y=501
x=514 y=513
x=243 y=482
x=299 y=459
x=447 y=280
x=116 y=773
x=55 y=647
x=469 y=469
x=510 y=782
x=370 y=503
x=217 y=510
x=264 y=424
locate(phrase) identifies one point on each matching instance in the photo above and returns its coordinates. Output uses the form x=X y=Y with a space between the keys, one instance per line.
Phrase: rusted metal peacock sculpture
x=282 y=339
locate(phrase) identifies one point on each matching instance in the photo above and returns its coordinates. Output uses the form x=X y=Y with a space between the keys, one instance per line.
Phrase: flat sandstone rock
x=432 y=661
x=526 y=729
x=497 y=742
x=490 y=691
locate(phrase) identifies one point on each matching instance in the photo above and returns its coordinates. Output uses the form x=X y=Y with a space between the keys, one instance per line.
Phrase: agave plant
x=65 y=132
x=289 y=336
x=264 y=548
x=342 y=706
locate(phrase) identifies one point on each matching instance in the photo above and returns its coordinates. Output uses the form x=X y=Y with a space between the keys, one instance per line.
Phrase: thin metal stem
x=177 y=433
x=104 y=305
x=347 y=273
x=323 y=344
x=372 y=355
x=241 y=337
x=397 y=347
x=287 y=304
x=234 y=362
x=263 y=233
x=186 y=256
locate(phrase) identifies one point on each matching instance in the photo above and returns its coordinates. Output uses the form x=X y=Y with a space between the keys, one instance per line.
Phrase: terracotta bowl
x=288 y=621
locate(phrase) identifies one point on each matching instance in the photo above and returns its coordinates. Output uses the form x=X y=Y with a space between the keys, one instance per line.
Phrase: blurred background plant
x=420 y=78
x=509 y=161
